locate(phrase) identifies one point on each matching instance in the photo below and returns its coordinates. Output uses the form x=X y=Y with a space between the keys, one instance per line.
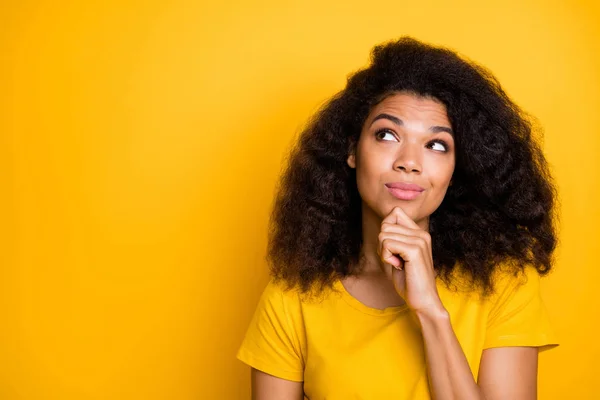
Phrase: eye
x=380 y=134
x=440 y=142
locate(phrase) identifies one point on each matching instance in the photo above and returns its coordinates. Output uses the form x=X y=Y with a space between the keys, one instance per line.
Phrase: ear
x=351 y=160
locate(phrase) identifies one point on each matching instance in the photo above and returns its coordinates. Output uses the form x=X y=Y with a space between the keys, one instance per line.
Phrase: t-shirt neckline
x=356 y=304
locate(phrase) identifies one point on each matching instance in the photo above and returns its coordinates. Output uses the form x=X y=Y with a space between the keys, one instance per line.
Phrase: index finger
x=397 y=216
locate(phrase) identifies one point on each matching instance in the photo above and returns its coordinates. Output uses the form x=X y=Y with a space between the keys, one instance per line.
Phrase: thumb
x=399 y=279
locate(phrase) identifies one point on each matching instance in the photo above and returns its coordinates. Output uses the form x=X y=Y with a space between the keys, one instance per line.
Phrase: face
x=405 y=139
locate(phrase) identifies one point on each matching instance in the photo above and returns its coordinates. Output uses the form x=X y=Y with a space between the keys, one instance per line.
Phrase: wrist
x=433 y=315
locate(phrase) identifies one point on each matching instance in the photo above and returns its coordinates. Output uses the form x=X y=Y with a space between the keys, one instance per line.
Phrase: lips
x=404 y=191
x=404 y=186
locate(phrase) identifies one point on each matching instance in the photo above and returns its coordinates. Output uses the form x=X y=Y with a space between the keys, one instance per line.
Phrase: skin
x=397 y=266
x=387 y=152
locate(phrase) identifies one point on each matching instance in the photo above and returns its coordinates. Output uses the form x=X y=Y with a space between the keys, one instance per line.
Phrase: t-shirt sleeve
x=271 y=343
x=518 y=316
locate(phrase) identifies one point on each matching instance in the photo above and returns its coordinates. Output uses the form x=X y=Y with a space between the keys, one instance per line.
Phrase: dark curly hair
x=499 y=208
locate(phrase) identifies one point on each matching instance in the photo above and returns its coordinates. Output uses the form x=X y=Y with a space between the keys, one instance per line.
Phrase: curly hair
x=498 y=210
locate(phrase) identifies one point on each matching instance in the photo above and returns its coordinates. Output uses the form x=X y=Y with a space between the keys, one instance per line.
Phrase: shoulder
x=279 y=292
x=509 y=280
x=506 y=277
x=275 y=342
x=280 y=300
x=517 y=313
x=512 y=288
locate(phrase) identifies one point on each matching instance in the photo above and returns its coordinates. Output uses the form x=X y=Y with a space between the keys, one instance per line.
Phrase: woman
x=411 y=228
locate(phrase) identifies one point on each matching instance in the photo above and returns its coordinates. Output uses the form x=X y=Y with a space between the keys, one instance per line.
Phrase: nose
x=408 y=159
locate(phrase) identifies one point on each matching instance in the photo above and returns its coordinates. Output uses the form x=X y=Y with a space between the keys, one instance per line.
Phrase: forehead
x=408 y=105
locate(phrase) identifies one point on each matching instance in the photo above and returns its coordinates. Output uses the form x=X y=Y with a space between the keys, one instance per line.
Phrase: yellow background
x=140 y=145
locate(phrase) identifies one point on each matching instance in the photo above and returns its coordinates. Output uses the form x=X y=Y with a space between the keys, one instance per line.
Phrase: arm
x=269 y=387
x=516 y=318
x=505 y=372
x=509 y=373
x=273 y=346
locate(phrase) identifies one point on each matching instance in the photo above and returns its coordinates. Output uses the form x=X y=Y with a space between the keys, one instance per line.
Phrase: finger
x=398 y=216
x=399 y=279
x=396 y=252
x=414 y=241
x=387 y=256
x=391 y=218
x=403 y=229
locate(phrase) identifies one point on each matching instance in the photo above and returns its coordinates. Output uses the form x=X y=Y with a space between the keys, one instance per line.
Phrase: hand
x=407 y=247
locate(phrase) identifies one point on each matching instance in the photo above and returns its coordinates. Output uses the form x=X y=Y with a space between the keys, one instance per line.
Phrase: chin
x=409 y=209
x=414 y=212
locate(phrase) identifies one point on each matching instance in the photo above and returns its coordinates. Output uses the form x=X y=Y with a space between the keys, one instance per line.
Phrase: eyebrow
x=398 y=121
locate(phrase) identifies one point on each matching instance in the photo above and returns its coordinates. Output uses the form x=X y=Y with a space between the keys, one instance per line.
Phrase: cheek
x=370 y=168
x=441 y=172
x=368 y=173
x=364 y=180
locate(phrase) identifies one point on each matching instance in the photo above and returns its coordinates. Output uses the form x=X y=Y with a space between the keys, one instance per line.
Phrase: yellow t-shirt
x=342 y=349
